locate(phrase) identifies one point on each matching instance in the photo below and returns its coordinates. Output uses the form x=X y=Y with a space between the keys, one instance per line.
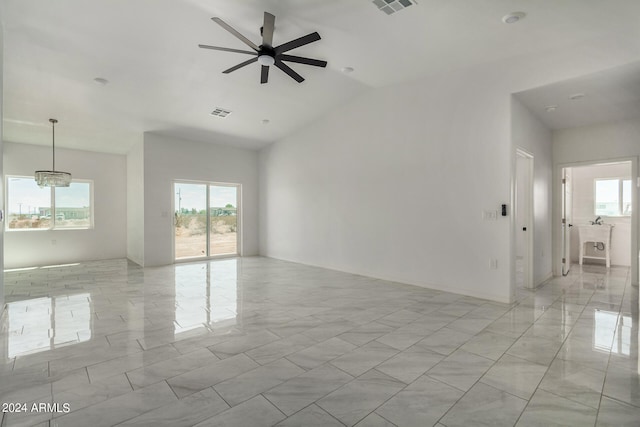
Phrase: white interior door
x=524 y=219
x=567 y=219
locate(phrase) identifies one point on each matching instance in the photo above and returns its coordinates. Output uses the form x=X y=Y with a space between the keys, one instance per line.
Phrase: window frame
x=52 y=227
x=620 y=181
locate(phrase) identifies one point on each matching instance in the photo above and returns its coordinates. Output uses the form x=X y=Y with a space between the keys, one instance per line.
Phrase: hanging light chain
x=53 y=135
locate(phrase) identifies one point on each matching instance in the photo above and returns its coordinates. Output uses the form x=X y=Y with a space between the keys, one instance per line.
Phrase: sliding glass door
x=206 y=219
x=223 y=219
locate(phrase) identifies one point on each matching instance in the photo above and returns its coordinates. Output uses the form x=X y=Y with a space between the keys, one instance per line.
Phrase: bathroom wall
x=584 y=212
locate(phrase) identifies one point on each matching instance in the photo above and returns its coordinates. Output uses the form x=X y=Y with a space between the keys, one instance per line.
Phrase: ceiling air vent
x=220 y=112
x=392 y=6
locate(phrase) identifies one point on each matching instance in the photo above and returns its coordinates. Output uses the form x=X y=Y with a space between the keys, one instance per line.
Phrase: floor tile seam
x=606 y=372
x=386 y=400
x=387 y=420
x=464 y=393
x=555 y=355
x=328 y=364
x=545 y=373
x=217 y=393
x=479 y=380
x=618 y=400
x=130 y=383
x=573 y=400
x=302 y=409
x=263 y=364
x=176 y=394
x=280 y=410
x=126 y=373
x=353 y=377
x=111 y=398
x=140 y=414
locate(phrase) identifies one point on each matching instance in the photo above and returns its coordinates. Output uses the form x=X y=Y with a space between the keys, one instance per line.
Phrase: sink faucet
x=598 y=221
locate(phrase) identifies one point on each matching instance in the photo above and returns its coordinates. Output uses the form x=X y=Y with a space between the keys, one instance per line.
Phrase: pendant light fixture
x=53 y=178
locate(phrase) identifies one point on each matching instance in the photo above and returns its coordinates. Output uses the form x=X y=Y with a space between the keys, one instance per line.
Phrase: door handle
x=570 y=225
x=524 y=228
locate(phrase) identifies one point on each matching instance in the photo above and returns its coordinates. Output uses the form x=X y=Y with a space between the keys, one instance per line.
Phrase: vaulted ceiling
x=159 y=80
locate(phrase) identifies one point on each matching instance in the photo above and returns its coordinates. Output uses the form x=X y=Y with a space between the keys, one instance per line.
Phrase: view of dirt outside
x=191 y=235
x=34 y=222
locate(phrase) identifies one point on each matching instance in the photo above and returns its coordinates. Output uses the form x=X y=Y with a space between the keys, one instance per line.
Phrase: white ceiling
x=161 y=81
x=609 y=96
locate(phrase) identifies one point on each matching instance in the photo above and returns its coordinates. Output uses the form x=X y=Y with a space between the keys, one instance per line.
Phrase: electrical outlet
x=490 y=215
x=493 y=264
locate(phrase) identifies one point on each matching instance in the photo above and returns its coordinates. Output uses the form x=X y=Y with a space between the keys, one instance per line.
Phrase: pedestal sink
x=596 y=234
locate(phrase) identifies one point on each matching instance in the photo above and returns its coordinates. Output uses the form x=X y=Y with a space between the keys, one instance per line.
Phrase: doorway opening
x=206 y=220
x=599 y=211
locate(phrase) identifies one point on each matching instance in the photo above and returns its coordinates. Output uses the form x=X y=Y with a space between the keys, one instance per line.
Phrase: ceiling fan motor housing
x=266 y=55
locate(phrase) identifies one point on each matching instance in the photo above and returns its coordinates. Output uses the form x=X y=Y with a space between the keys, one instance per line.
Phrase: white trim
x=239 y=222
x=52 y=203
x=557 y=190
x=472 y=292
x=549 y=276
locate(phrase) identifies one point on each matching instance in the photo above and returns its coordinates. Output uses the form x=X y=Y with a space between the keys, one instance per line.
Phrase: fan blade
x=264 y=75
x=226 y=49
x=309 y=38
x=229 y=28
x=267 y=28
x=284 y=67
x=301 y=60
x=252 y=60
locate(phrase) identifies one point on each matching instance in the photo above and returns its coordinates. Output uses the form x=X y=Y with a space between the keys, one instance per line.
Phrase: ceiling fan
x=266 y=54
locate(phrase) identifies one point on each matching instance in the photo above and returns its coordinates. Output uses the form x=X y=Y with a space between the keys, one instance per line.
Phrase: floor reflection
x=206 y=295
x=612 y=332
x=41 y=324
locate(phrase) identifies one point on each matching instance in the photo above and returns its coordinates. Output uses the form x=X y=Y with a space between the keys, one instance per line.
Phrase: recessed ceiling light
x=550 y=108
x=576 y=96
x=101 y=81
x=513 y=17
x=347 y=70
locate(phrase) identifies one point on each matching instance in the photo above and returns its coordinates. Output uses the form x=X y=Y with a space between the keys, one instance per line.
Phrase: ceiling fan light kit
x=266 y=54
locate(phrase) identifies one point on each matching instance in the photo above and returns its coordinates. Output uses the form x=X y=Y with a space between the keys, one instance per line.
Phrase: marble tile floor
x=259 y=342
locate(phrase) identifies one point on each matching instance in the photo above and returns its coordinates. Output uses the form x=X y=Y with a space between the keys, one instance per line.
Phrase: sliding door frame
x=239 y=224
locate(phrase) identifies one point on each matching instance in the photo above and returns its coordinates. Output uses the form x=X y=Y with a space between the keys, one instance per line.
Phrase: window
x=30 y=207
x=613 y=197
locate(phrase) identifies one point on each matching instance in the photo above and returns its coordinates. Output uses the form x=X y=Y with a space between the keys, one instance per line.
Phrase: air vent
x=220 y=112
x=392 y=6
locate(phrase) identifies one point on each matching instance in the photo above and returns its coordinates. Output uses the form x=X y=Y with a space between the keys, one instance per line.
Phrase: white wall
x=106 y=240
x=584 y=211
x=135 y=203
x=393 y=185
x=1 y=175
x=531 y=135
x=167 y=159
x=610 y=141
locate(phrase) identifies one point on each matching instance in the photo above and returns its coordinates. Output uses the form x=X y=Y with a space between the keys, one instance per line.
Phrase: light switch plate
x=490 y=215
